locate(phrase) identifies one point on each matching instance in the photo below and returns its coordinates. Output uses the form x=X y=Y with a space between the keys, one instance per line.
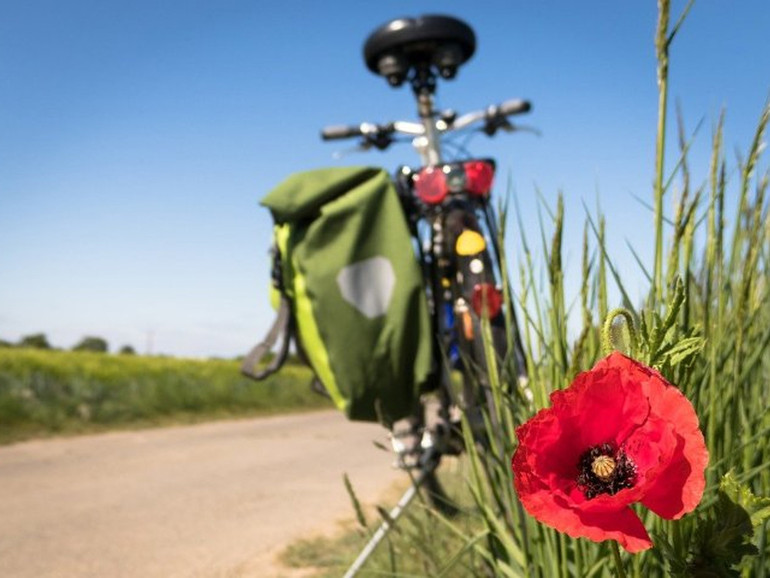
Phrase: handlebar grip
x=340 y=131
x=515 y=106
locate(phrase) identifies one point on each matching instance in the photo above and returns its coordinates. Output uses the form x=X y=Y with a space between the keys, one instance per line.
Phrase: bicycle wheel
x=475 y=294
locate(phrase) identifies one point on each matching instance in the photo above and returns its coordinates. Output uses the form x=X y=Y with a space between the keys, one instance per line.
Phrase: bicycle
x=454 y=226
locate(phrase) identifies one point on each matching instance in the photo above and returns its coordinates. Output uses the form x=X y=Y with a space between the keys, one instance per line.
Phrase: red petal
x=673 y=486
x=552 y=509
x=679 y=487
x=606 y=405
x=623 y=526
x=547 y=449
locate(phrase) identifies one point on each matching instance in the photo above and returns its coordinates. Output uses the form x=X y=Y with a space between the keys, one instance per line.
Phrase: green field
x=58 y=392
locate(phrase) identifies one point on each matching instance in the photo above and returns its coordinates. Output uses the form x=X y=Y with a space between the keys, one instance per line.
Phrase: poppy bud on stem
x=607 y=345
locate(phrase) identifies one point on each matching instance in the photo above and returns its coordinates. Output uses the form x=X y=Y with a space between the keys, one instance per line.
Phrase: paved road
x=212 y=500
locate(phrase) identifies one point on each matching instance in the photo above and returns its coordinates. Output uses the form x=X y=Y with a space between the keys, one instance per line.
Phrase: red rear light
x=478 y=176
x=430 y=185
x=487 y=300
x=433 y=184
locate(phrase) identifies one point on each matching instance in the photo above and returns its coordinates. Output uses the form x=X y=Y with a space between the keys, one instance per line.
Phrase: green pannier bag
x=350 y=290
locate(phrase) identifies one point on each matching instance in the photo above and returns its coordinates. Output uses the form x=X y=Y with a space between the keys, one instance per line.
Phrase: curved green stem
x=607 y=345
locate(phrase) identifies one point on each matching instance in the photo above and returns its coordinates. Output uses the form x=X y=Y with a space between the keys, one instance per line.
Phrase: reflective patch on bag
x=368 y=285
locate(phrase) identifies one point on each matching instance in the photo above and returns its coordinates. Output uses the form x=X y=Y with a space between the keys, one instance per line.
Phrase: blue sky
x=137 y=138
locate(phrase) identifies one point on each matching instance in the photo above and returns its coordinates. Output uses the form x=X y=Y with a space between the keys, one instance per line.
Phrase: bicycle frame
x=429 y=145
x=421 y=50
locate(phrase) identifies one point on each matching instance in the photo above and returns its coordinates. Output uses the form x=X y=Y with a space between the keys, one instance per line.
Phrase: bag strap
x=283 y=326
x=316 y=385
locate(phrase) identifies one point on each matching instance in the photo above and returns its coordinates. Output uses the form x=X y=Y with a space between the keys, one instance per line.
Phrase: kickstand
x=428 y=466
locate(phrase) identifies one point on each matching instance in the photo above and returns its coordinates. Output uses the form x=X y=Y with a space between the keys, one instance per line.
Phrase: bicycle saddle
x=396 y=47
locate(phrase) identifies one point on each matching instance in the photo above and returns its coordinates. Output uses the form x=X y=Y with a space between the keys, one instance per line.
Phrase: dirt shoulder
x=212 y=500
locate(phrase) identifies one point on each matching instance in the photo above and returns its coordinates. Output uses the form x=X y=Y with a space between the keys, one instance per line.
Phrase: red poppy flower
x=619 y=434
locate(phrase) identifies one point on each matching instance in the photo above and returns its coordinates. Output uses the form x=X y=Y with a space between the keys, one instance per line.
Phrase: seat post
x=424 y=86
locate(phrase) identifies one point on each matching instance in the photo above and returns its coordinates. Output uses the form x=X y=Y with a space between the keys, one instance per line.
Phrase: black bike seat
x=418 y=39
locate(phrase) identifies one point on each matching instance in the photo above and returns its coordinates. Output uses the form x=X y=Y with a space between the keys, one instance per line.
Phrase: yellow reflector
x=470 y=243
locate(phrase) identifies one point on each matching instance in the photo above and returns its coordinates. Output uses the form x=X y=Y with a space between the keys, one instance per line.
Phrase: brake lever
x=379 y=141
x=521 y=128
x=495 y=124
x=492 y=125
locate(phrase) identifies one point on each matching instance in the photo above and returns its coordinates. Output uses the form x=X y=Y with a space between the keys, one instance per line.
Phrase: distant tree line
x=88 y=343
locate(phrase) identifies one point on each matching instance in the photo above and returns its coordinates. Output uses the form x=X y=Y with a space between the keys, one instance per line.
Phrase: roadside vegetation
x=45 y=392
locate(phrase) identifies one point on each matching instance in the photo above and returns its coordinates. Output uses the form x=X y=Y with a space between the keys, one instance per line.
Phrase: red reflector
x=430 y=185
x=478 y=175
x=487 y=300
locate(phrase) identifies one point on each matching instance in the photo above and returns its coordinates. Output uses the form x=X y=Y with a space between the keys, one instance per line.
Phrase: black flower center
x=604 y=469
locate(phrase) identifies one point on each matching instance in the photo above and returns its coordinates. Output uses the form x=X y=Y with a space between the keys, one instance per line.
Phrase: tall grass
x=43 y=392
x=705 y=323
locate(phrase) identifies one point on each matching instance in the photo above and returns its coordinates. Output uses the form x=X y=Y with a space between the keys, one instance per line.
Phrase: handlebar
x=493 y=113
x=339 y=132
x=516 y=106
x=380 y=135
